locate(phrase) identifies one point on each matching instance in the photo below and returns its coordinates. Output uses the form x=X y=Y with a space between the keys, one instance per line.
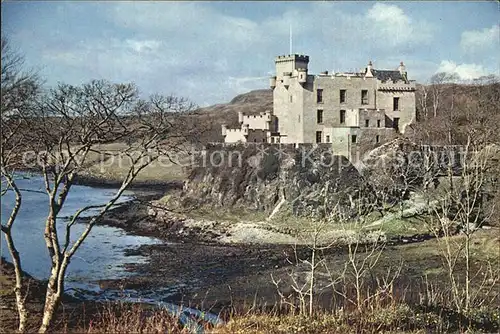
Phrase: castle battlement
x=234 y=130
x=296 y=57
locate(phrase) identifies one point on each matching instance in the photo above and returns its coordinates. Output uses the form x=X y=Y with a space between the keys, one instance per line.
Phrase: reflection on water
x=101 y=256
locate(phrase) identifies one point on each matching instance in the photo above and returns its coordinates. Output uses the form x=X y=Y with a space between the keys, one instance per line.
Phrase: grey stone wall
x=407 y=107
x=296 y=107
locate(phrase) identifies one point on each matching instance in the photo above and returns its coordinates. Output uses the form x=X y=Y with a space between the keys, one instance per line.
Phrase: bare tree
x=306 y=291
x=422 y=97
x=437 y=89
x=19 y=87
x=61 y=131
x=461 y=209
x=363 y=250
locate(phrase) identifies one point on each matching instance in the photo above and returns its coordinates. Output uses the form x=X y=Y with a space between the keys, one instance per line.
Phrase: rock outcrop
x=261 y=176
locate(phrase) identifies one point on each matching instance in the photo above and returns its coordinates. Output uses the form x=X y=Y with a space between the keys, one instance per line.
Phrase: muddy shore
x=192 y=266
x=193 y=262
x=204 y=272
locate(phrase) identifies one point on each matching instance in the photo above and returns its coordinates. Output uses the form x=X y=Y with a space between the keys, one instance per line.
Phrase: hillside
x=211 y=118
x=447 y=113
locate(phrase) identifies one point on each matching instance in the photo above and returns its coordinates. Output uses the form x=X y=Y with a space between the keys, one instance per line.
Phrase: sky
x=211 y=51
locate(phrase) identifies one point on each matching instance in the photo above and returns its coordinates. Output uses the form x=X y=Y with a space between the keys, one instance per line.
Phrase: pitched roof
x=384 y=75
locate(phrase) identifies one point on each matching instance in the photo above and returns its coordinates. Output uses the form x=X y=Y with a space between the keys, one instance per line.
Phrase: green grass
x=398 y=226
x=395 y=226
x=116 y=168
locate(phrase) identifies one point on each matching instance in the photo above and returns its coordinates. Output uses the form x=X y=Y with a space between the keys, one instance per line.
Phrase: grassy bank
x=108 y=164
x=395 y=317
x=238 y=224
x=418 y=301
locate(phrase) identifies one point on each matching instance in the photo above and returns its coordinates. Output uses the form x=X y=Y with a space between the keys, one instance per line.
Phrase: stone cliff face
x=261 y=176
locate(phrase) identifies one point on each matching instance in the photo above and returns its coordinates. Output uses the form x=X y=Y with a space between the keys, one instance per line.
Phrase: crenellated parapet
x=252 y=128
x=294 y=57
x=292 y=66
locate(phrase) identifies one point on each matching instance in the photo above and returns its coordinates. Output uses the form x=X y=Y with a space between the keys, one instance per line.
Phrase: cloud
x=143 y=46
x=464 y=71
x=473 y=41
x=200 y=50
x=390 y=24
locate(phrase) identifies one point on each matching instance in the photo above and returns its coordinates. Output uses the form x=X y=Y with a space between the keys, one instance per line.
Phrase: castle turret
x=224 y=130
x=290 y=63
x=240 y=117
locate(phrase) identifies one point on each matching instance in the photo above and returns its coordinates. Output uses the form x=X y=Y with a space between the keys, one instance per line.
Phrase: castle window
x=327 y=139
x=364 y=96
x=319 y=95
x=367 y=123
x=395 y=123
x=395 y=104
x=377 y=139
x=354 y=139
x=319 y=116
x=342 y=117
x=318 y=136
x=272 y=140
x=378 y=123
x=299 y=119
x=342 y=95
x=291 y=98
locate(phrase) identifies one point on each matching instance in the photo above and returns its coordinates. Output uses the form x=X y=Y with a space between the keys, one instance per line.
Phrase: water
x=100 y=257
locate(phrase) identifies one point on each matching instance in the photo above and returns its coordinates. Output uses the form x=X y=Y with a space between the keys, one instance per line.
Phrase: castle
x=346 y=110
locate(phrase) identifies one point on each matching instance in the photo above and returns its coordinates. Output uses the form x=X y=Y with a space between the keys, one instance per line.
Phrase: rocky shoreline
x=199 y=265
x=200 y=268
x=202 y=262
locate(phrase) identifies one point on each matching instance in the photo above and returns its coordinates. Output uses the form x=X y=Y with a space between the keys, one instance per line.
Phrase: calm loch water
x=101 y=256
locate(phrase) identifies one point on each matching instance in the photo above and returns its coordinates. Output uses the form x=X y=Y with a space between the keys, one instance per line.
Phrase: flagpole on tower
x=290 y=38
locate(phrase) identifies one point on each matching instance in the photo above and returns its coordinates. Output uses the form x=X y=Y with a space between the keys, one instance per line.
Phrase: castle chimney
x=369 y=68
x=402 y=68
